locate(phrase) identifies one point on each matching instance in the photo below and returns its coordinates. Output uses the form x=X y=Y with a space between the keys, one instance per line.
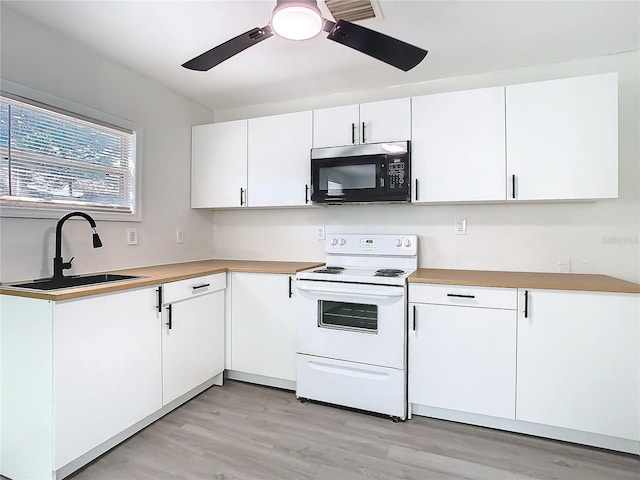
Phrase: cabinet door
x=193 y=345
x=385 y=121
x=562 y=138
x=458 y=146
x=219 y=165
x=279 y=160
x=463 y=358
x=263 y=329
x=579 y=361
x=107 y=371
x=336 y=126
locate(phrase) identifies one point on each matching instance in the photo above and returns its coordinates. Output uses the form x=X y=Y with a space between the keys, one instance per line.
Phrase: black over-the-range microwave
x=374 y=172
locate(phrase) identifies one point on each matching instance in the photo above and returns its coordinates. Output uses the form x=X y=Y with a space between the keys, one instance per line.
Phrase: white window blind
x=52 y=159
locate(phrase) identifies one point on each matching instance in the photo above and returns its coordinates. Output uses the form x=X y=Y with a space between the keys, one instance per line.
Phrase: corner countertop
x=551 y=281
x=158 y=274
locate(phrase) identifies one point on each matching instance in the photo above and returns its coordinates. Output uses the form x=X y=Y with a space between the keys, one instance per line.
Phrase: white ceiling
x=463 y=37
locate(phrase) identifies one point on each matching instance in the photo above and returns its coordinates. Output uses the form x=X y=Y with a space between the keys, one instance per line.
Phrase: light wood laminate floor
x=243 y=431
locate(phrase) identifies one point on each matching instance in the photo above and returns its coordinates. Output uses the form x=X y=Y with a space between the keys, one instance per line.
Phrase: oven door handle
x=394 y=292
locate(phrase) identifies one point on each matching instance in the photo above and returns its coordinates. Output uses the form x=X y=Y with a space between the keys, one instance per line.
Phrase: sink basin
x=73 y=281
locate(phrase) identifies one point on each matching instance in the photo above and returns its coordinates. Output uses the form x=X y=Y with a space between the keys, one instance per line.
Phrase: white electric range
x=352 y=323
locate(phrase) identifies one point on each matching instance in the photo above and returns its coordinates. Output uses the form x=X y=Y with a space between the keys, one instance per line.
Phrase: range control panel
x=381 y=244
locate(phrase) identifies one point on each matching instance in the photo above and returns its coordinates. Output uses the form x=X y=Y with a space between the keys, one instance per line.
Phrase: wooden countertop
x=158 y=274
x=552 y=281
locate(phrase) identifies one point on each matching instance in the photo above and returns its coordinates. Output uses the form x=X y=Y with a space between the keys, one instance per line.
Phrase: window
x=53 y=160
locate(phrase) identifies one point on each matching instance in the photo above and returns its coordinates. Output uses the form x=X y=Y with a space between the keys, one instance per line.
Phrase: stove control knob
x=399 y=242
x=407 y=243
x=334 y=241
x=342 y=241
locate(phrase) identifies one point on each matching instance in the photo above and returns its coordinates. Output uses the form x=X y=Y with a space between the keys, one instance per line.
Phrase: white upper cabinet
x=562 y=138
x=336 y=126
x=279 y=160
x=458 y=146
x=219 y=165
x=384 y=121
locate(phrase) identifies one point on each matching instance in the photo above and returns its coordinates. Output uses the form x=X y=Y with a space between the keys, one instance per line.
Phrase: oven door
x=352 y=322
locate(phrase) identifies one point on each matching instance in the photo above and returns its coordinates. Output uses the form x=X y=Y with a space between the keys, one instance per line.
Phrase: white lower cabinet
x=554 y=363
x=192 y=334
x=74 y=375
x=579 y=361
x=104 y=348
x=79 y=376
x=462 y=349
x=263 y=327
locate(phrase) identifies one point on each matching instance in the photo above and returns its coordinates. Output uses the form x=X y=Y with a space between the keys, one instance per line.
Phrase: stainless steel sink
x=73 y=281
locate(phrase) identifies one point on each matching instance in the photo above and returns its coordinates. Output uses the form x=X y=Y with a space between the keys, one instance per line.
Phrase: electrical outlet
x=179 y=235
x=320 y=233
x=132 y=236
x=461 y=226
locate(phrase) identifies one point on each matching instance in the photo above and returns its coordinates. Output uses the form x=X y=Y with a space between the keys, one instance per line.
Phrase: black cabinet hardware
x=363 y=141
x=416 y=189
x=460 y=296
x=414 y=318
x=290 y=287
x=353 y=133
x=169 y=315
x=159 y=306
x=306 y=194
x=204 y=285
x=526 y=304
x=513 y=186
x=241 y=196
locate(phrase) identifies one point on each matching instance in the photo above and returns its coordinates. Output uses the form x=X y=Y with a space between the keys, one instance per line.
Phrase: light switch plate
x=132 y=236
x=320 y=233
x=179 y=235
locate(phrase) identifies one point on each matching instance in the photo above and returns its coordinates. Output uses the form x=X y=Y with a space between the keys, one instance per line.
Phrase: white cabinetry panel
x=279 y=160
x=579 y=361
x=463 y=358
x=219 y=164
x=104 y=347
x=192 y=333
x=562 y=138
x=263 y=327
x=458 y=146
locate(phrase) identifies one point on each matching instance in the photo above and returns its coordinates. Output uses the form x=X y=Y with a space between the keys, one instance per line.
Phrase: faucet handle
x=67 y=265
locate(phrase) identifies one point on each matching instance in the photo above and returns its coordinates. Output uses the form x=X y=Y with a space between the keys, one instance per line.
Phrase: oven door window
x=359 y=317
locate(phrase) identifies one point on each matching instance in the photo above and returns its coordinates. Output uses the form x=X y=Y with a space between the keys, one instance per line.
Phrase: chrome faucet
x=58 y=263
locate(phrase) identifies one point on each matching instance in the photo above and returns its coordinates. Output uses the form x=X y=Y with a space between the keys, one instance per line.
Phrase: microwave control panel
x=396 y=173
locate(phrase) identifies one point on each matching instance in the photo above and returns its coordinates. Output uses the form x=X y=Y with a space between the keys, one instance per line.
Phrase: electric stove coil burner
x=388 y=272
x=330 y=270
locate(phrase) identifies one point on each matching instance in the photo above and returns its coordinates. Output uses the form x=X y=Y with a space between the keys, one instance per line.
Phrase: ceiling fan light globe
x=296 y=22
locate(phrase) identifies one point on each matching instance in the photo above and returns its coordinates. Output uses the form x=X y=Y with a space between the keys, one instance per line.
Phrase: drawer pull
x=204 y=285
x=414 y=318
x=460 y=296
x=526 y=304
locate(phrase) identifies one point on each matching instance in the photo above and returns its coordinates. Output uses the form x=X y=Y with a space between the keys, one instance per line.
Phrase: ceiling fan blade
x=228 y=49
x=377 y=45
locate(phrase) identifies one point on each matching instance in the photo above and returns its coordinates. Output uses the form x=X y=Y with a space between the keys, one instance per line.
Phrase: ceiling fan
x=301 y=20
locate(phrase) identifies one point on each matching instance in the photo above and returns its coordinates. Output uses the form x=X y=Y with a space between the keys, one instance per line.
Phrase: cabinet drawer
x=487 y=297
x=193 y=287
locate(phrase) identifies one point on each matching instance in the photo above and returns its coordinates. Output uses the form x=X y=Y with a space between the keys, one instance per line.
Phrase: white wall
x=36 y=57
x=596 y=237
